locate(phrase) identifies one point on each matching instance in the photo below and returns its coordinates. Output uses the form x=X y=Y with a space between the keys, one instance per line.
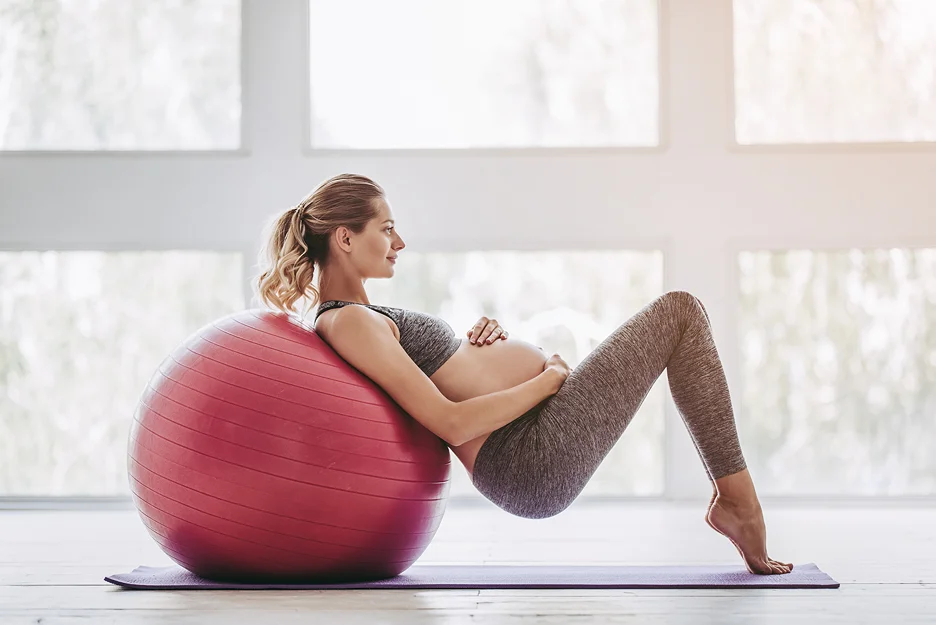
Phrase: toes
x=769 y=566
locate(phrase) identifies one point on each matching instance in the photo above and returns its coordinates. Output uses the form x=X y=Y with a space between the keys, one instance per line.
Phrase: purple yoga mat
x=509 y=576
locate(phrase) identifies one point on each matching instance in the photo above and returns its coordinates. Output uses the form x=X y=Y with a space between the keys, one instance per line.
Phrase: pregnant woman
x=530 y=432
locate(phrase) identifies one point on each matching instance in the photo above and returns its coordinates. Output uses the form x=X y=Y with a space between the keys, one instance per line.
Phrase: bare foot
x=743 y=525
x=709 y=509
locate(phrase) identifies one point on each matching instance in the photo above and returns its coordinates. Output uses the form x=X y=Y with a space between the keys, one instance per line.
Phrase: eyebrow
x=390 y=221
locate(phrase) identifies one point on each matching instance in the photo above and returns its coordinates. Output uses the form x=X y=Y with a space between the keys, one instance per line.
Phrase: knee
x=682 y=296
x=685 y=300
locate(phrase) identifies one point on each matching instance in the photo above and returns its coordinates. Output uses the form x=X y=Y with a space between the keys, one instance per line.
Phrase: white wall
x=698 y=197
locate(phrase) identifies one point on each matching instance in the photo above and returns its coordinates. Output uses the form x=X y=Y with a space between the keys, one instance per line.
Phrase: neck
x=342 y=292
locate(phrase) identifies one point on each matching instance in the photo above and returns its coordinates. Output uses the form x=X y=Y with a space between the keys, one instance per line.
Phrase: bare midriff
x=475 y=370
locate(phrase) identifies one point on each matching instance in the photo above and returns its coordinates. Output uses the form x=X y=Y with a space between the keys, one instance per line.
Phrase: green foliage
x=81 y=334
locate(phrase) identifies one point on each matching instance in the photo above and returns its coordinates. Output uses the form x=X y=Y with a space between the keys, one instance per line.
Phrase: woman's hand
x=559 y=369
x=486 y=331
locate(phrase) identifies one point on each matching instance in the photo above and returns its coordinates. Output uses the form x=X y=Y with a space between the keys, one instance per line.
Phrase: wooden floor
x=52 y=565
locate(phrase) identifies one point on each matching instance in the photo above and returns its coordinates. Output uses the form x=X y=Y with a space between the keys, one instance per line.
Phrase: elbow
x=454 y=434
x=454 y=439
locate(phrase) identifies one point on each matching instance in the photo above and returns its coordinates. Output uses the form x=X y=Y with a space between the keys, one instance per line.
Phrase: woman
x=529 y=431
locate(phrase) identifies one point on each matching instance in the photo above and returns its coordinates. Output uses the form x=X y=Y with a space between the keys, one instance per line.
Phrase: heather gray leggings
x=536 y=465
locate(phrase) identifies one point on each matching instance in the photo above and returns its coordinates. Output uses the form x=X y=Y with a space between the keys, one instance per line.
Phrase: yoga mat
x=509 y=576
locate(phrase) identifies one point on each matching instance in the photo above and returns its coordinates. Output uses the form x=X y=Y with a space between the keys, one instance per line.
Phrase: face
x=379 y=242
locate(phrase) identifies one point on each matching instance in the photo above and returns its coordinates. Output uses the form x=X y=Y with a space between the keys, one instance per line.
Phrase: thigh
x=543 y=459
x=603 y=393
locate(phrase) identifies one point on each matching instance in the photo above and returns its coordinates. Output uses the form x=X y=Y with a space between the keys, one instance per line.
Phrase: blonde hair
x=298 y=239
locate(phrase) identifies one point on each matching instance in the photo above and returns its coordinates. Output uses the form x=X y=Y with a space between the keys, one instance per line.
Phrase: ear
x=342 y=238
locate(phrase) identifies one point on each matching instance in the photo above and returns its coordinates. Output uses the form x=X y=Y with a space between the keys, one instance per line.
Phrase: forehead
x=385 y=211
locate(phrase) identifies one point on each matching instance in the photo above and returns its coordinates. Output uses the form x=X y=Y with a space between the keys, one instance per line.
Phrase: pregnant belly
x=474 y=371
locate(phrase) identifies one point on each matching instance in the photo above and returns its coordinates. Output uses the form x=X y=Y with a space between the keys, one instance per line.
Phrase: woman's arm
x=479 y=415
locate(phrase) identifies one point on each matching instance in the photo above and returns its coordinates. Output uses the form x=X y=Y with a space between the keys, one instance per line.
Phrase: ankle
x=737 y=486
x=738 y=502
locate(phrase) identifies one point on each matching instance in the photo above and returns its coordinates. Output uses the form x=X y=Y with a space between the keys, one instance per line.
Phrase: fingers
x=485 y=332
x=489 y=329
x=492 y=333
x=478 y=328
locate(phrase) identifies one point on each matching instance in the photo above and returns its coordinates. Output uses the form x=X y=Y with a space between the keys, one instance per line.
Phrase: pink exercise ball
x=257 y=454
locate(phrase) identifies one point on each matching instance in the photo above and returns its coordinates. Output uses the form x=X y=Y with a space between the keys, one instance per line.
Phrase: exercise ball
x=257 y=454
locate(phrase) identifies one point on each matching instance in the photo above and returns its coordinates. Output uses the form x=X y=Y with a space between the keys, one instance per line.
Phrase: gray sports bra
x=427 y=339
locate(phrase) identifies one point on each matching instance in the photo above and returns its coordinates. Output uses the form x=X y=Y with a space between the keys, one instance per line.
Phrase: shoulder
x=351 y=318
x=361 y=337
x=325 y=321
x=353 y=332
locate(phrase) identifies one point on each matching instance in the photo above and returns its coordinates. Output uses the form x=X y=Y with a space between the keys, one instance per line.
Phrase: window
x=839 y=371
x=827 y=71
x=566 y=302
x=117 y=75
x=81 y=333
x=527 y=73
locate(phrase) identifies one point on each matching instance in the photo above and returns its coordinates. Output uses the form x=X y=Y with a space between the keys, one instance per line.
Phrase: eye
x=389 y=228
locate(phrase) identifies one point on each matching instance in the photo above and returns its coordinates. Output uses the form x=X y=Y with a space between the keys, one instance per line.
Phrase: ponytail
x=297 y=239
